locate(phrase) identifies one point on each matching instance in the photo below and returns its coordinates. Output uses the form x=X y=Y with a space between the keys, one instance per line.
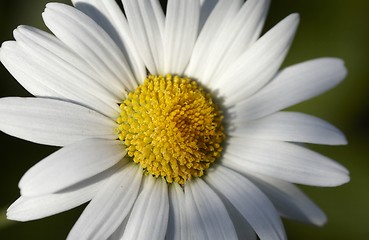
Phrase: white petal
x=146 y=21
x=118 y=233
x=26 y=73
x=149 y=216
x=235 y=38
x=242 y=227
x=178 y=223
x=47 y=68
x=207 y=215
x=109 y=16
x=195 y=225
x=253 y=205
x=31 y=208
x=290 y=201
x=293 y=85
x=52 y=122
x=47 y=48
x=254 y=68
x=92 y=43
x=71 y=164
x=290 y=127
x=110 y=206
x=219 y=18
x=181 y=28
x=207 y=6
x=283 y=160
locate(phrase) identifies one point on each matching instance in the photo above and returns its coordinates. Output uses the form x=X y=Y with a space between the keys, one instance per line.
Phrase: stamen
x=171 y=126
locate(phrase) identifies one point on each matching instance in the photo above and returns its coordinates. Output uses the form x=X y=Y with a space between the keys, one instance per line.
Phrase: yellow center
x=171 y=127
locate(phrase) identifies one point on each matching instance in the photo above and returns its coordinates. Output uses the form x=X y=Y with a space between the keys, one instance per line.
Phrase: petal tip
x=343 y=69
x=13 y=214
x=343 y=140
x=338 y=66
x=320 y=222
x=293 y=18
x=15 y=217
x=339 y=180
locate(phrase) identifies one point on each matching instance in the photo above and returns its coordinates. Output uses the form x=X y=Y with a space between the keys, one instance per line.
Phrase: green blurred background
x=337 y=28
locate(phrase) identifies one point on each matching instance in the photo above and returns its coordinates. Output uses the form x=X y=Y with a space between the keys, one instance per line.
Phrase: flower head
x=168 y=123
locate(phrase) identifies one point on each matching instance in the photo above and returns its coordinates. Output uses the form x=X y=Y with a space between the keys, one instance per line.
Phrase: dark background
x=337 y=28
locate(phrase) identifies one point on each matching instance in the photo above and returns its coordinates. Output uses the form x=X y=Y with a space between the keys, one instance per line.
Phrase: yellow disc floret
x=171 y=127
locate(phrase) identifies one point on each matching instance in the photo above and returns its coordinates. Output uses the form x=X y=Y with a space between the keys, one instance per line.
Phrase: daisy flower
x=169 y=122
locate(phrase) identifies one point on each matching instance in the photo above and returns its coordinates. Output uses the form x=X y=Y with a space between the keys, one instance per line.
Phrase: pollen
x=171 y=127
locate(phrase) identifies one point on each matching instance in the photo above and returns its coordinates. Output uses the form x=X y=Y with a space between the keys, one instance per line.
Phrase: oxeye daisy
x=169 y=122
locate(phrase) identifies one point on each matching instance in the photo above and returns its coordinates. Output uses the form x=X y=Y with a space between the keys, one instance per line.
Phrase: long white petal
x=146 y=21
x=31 y=208
x=253 y=205
x=293 y=85
x=70 y=165
x=92 y=43
x=52 y=122
x=290 y=201
x=234 y=39
x=211 y=212
x=55 y=55
x=283 y=160
x=118 y=233
x=181 y=28
x=109 y=16
x=195 y=225
x=39 y=80
x=26 y=73
x=256 y=67
x=207 y=6
x=47 y=68
x=110 y=206
x=242 y=227
x=290 y=127
x=219 y=18
x=178 y=222
x=151 y=206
